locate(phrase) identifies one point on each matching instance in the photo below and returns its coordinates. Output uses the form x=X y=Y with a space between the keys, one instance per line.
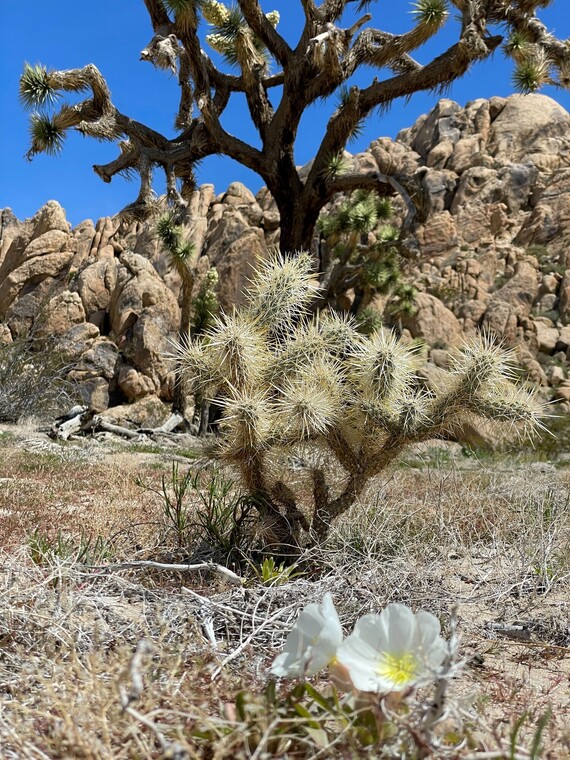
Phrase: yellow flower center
x=400 y=669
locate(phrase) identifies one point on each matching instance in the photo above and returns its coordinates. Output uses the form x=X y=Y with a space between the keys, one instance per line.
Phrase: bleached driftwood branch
x=225 y=572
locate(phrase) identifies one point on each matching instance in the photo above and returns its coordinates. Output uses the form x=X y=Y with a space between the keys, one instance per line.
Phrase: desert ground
x=447 y=529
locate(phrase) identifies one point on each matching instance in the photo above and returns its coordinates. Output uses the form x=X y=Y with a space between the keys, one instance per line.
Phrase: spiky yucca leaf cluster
x=46 y=135
x=369 y=268
x=232 y=37
x=431 y=13
x=531 y=73
x=36 y=87
x=533 y=67
x=170 y=235
x=286 y=378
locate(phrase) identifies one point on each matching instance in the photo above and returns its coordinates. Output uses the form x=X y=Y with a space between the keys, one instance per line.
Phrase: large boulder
x=531 y=128
x=433 y=322
x=234 y=248
x=95 y=283
x=138 y=287
x=60 y=313
x=144 y=317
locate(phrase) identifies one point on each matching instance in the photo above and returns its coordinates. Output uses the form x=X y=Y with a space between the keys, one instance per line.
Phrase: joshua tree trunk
x=298 y=214
x=180 y=396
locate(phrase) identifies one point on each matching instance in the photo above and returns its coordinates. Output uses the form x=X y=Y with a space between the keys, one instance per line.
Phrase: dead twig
x=225 y=572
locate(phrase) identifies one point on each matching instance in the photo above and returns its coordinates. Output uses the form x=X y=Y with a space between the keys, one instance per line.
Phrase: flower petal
x=401 y=624
x=312 y=642
x=372 y=632
x=431 y=645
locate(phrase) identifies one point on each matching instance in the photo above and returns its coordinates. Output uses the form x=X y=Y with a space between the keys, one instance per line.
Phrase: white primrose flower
x=312 y=643
x=393 y=650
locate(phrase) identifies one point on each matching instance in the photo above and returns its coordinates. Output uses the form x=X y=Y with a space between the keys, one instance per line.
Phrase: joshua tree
x=358 y=253
x=198 y=301
x=333 y=44
x=289 y=380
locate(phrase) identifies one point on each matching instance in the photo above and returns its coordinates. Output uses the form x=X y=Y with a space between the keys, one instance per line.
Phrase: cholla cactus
x=352 y=262
x=289 y=381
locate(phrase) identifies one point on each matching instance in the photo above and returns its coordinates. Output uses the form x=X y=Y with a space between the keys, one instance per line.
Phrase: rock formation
x=494 y=183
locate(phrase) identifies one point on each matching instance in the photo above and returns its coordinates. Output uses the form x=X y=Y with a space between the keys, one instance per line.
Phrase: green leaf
x=302 y=711
x=537 y=738
x=317 y=697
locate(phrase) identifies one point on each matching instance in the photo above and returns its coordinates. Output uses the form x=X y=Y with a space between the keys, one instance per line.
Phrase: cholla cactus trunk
x=291 y=381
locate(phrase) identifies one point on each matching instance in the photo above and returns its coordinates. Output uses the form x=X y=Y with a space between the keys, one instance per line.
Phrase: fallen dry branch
x=178 y=568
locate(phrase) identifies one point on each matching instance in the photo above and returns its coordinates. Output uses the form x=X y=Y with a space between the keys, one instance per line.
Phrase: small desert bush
x=32 y=380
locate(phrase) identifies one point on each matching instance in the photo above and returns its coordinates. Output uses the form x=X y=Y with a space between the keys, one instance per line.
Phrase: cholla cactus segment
x=372 y=415
x=309 y=394
x=383 y=368
x=215 y=13
x=195 y=362
x=482 y=363
x=413 y=414
x=306 y=410
x=511 y=404
x=281 y=291
x=340 y=334
x=237 y=348
x=246 y=423
x=302 y=347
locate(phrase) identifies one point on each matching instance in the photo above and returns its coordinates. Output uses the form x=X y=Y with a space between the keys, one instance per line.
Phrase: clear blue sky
x=110 y=34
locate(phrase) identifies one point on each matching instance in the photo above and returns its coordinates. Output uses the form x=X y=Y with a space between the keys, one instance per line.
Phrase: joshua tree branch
x=259 y=24
x=158 y=16
x=442 y=70
x=378 y=48
x=312 y=14
x=127 y=160
x=331 y=10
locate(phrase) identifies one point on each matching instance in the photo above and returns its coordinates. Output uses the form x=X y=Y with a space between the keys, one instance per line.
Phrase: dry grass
x=493 y=539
